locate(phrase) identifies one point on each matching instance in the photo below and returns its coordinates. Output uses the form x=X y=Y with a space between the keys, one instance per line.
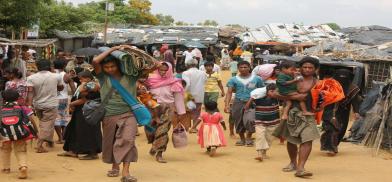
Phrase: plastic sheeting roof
x=289 y=33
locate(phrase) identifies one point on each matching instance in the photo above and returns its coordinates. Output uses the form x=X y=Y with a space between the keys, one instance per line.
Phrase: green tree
x=61 y=16
x=207 y=23
x=334 y=26
x=181 y=23
x=16 y=15
x=165 y=20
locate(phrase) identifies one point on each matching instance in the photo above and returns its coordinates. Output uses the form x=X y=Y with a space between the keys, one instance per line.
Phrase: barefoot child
x=16 y=126
x=210 y=132
x=267 y=118
x=287 y=86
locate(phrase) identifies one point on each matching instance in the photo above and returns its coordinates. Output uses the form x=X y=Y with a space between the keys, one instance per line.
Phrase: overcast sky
x=254 y=13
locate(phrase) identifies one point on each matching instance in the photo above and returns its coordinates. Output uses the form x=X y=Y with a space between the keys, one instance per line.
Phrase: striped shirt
x=267 y=111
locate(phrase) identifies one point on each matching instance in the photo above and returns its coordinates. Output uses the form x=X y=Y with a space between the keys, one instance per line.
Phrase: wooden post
x=13 y=35
x=106 y=23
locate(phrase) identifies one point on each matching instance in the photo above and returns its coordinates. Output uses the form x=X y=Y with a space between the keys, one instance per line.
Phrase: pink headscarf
x=155 y=80
x=265 y=71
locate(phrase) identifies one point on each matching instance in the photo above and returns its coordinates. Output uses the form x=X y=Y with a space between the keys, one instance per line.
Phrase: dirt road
x=353 y=163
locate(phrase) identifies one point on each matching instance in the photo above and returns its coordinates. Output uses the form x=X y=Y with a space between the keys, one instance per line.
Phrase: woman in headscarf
x=336 y=116
x=169 y=93
x=353 y=98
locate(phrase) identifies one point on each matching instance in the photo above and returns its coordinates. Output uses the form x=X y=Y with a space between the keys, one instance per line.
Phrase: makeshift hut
x=72 y=41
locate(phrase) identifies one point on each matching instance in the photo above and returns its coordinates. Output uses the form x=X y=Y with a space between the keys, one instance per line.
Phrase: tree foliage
x=53 y=14
x=208 y=23
x=181 y=23
x=165 y=20
x=334 y=26
x=19 y=14
x=61 y=16
x=143 y=8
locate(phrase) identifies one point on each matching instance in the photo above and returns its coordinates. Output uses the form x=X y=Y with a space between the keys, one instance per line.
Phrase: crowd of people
x=48 y=97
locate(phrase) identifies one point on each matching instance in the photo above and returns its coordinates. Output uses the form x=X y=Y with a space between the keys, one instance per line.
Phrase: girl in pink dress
x=210 y=132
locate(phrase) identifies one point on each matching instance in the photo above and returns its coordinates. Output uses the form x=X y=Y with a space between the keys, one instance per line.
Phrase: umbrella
x=88 y=51
x=195 y=44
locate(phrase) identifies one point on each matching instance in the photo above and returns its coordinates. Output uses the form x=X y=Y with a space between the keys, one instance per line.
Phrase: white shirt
x=189 y=56
x=44 y=84
x=215 y=69
x=64 y=93
x=195 y=81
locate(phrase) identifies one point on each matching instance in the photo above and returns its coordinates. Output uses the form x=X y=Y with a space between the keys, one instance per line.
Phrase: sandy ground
x=232 y=163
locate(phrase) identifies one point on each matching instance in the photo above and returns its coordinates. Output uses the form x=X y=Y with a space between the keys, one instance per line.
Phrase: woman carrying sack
x=119 y=125
x=170 y=96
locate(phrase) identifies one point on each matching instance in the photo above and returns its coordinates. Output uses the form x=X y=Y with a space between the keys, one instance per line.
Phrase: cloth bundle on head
x=155 y=80
x=198 y=53
x=329 y=91
x=265 y=71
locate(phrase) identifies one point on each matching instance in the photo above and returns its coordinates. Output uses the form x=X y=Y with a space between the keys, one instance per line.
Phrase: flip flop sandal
x=89 y=157
x=161 y=160
x=128 y=179
x=289 y=168
x=249 y=143
x=113 y=173
x=240 y=143
x=260 y=159
x=303 y=174
x=67 y=154
x=6 y=171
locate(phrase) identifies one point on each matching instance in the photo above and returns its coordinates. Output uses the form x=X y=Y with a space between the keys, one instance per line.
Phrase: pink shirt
x=165 y=96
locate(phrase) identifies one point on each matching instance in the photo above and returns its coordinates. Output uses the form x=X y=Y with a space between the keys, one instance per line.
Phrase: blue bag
x=142 y=114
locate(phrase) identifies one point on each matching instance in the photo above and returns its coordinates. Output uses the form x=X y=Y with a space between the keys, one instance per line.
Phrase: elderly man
x=195 y=80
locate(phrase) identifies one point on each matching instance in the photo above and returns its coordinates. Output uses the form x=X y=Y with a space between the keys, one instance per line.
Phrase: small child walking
x=17 y=126
x=267 y=118
x=287 y=86
x=211 y=133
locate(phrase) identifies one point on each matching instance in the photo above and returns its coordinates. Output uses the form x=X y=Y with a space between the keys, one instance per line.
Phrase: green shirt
x=116 y=105
x=285 y=89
